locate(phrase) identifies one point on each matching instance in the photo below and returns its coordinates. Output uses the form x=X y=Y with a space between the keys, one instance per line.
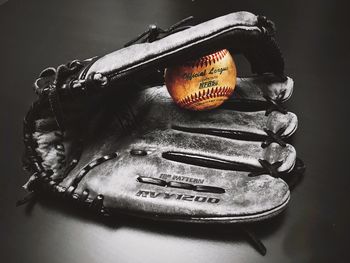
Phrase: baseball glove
x=105 y=133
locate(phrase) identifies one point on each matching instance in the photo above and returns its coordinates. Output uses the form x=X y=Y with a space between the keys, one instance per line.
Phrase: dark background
x=314 y=38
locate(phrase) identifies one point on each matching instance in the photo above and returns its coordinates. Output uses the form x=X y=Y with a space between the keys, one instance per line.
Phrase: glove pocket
x=145 y=184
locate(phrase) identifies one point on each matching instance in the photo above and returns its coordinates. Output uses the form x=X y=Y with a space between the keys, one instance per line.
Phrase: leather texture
x=240 y=33
x=245 y=198
x=152 y=138
x=103 y=135
x=139 y=54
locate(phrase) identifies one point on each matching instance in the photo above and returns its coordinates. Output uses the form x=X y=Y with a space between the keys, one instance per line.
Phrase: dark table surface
x=314 y=37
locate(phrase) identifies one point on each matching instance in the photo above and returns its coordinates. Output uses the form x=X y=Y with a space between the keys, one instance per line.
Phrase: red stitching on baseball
x=203 y=95
x=208 y=59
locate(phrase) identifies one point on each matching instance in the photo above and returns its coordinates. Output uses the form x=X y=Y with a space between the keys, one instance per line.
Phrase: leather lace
x=155 y=33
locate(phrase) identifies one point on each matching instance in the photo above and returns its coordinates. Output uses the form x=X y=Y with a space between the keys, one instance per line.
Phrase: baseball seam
x=208 y=60
x=205 y=94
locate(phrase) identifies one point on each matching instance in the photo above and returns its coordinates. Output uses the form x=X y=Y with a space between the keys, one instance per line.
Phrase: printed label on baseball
x=202 y=84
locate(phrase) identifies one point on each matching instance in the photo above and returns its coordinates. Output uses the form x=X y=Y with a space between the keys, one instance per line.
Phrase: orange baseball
x=202 y=84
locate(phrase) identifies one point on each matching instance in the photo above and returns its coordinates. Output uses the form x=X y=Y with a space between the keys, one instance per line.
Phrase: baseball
x=202 y=84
